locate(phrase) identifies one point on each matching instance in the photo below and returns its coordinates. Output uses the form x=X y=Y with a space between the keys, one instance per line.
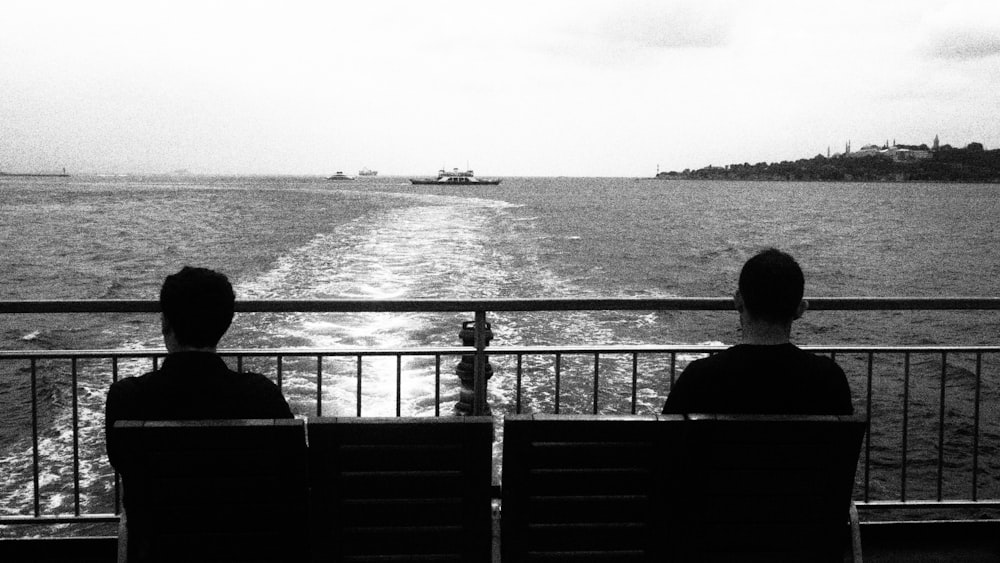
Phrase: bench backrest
x=578 y=488
x=214 y=490
x=767 y=488
x=401 y=489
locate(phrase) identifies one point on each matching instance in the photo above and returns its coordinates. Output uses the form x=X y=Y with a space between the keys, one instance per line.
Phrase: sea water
x=91 y=237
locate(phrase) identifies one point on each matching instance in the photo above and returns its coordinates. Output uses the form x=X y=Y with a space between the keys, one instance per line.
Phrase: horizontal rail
x=491 y=351
x=97 y=518
x=465 y=305
x=249 y=353
x=932 y=504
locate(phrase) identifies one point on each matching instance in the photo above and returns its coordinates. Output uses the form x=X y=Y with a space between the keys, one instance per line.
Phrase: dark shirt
x=191 y=386
x=761 y=379
x=188 y=386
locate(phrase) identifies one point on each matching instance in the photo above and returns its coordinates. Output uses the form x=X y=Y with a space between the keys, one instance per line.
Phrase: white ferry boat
x=456 y=176
x=340 y=176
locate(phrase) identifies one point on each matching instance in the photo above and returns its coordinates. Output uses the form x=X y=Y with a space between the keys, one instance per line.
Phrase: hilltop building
x=907 y=154
x=896 y=152
x=867 y=150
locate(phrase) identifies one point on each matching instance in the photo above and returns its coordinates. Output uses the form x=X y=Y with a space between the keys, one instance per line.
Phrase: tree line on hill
x=946 y=164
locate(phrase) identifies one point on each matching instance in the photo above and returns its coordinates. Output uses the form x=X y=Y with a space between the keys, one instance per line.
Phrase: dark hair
x=772 y=284
x=198 y=303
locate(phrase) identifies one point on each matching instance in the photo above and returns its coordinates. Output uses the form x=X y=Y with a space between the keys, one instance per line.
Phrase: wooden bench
x=768 y=488
x=214 y=490
x=401 y=489
x=678 y=488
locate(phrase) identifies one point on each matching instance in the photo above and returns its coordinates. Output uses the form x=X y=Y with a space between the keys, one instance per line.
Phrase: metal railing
x=930 y=450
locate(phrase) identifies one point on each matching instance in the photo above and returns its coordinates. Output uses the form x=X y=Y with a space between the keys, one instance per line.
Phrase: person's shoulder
x=254 y=378
x=131 y=385
x=719 y=356
x=832 y=384
x=692 y=388
x=123 y=385
x=700 y=371
x=821 y=362
x=258 y=383
x=128 y=397
x=722 y=357
x=266 y=394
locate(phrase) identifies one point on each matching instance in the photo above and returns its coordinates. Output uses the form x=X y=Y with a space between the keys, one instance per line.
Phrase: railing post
x=481 y=406
x=474 y=371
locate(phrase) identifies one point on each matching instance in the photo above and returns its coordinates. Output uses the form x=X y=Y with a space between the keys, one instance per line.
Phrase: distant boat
x=456 y=176
x=340 y=176
x=36 y=175
x=367 y=172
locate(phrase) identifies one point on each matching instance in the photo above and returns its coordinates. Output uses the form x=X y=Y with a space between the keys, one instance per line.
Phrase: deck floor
x=959 y=542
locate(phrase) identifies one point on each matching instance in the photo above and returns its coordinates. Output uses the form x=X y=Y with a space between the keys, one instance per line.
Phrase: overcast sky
x=575 y=88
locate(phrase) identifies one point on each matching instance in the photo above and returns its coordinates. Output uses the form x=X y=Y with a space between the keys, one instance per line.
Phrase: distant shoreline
x=898 y=164
x=676 y=178
x=35 y=175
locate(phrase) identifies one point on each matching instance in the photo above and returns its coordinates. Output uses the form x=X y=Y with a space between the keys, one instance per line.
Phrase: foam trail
x=439 y=247
x=412 y=252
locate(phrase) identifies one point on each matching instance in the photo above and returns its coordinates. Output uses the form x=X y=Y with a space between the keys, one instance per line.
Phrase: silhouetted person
x=766 y=374
x=193 y=382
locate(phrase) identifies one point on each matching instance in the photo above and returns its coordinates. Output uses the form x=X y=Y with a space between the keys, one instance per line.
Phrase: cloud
x=634 y=32
x=965 y=44
x=670 y=26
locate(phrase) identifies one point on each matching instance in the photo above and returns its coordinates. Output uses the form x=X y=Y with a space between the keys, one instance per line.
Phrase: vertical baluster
x=118 y=490
x=76 y=439
x=319 y=385
x=358 y=397
x=437 y=384
x=868 y=435
x=558 y=369
x=635 y=377
x=597 y=364
x=975 y=429
x=673 y=368
x=906 y=424
x=279 y=360
x=479 y=381
x=517 y=404
x=34 y=435
x=940 y=476
x=399 y=384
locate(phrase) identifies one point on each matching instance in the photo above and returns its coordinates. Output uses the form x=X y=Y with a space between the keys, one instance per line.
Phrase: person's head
x=197 y=305
x=771 y=287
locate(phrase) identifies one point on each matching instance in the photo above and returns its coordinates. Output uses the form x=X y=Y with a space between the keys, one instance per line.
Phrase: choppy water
x=285 y=238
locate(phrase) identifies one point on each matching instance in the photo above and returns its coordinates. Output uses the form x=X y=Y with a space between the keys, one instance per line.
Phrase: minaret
x=935 y=146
